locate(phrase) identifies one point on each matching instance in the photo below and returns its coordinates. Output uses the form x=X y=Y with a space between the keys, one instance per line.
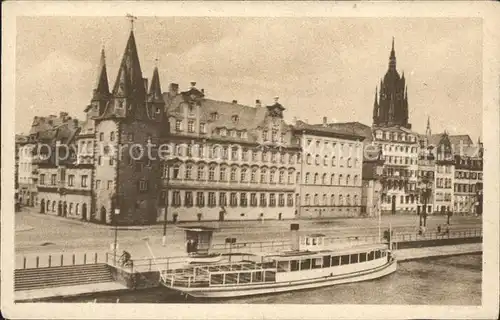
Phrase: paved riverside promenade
x=402 y=255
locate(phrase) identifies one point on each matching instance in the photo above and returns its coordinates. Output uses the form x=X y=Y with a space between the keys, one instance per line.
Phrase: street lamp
x=116 y=205
x=425 y=187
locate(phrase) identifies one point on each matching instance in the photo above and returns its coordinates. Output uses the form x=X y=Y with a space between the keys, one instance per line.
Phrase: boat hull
x=277 y=287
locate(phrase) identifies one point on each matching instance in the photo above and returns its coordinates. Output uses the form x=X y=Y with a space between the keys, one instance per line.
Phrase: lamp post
x=165 y=209
x=425 y=189
x=116 y=206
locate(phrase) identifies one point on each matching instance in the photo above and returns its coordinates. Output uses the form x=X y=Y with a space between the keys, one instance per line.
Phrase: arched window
x=334 y=161
x=316 y=176
x=308 y=178
x=71 y=208
x=332 y=179
x=323 y=180
x=316 y=160
x=48 y=205
x=175 y=171
x=297 y=177
x=211 y=173
x=348 y=179
x=253 y=177
x=332 y=200
x=325 y=160
x=188 y=172
x=308 y=158
x=272 y=176
x=281 y=179
x=290 y=177
x=341 y=200
x=324 y=200
x=201 y=172
x=316 y=199
x=263 y=175
x=355 y=182
x=77 y=209
x=308 y=199
x=243 y=175
x=222 y=174
x=233 y=174
x=348 y=200
x=340 y=179
x=355 y=199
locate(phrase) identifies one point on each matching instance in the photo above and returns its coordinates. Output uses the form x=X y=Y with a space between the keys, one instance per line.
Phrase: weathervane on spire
x=132 y=19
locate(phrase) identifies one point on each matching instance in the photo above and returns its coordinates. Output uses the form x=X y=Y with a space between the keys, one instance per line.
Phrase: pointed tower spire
x=392 y=58
x=428 y=129
x=129 y=82
x=155 y=88
x=375 y=108
x=101 y=89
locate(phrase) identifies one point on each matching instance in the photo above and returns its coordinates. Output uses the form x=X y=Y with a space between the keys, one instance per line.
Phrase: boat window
x=377 y=254
x=269 y=276
x=231 y=278
x=314 y=241
x=294 y=265
x=216 y=278
x=316 y=263
x=335 y=261
x=326 y=261
x=244 y=277
x=354 y=258
x=257 y=276
x=362 y=257
x=344 y=259
x=371 y=255
x=307 y=241
x=305 y=264
x=283 y=266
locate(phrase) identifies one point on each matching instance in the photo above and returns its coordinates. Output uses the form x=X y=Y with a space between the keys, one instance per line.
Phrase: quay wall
x=436 y=242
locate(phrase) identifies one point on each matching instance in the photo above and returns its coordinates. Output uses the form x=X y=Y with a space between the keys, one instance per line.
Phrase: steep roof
x=41 y=124
x=462 y=139
x=129 y=81
x=101 y=90
x=343 y=133
x=355 y=127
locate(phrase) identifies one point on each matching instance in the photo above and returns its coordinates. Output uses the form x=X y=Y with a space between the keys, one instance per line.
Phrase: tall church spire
x=392 y=58
x=375 y=107
x=101 y=89
x=428 y=130
x=155 y=94
x=129 y=81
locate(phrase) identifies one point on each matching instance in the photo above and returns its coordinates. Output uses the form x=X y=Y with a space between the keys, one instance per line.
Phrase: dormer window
x=235 y=118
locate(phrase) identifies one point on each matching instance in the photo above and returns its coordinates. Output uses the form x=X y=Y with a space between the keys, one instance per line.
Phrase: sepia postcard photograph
x=260 y=160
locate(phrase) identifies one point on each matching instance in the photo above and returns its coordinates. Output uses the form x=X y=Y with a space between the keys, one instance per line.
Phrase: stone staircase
x=41 y=278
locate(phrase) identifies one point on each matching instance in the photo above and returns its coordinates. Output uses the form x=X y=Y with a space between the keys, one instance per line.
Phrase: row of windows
x=459 y=187
x=191 y=124
x=84 y=179
x=443 y=169
x=233 y=153
x=443 y=183
x=235 y=174
x=395 y=136
x=409 y=199
x=329 y=261
x=333 y=161
x=332 y=179
x=327 y=147
x=468 y=175
x=399 y=185
x=53 y=206
x=407 y=149
x=400 y=160
x=393 y=172
x=232 y=199
x=330 y=200
x=440 y=196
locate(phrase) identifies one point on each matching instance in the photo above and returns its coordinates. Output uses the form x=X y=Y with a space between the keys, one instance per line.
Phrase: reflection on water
x=445 y=281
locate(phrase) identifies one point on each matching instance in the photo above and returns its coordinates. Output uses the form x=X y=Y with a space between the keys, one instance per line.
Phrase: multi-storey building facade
x=331 y=168
x=228 y=161
x=27 y=188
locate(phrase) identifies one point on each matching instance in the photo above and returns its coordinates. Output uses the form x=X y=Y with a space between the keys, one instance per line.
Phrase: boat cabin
x=198 y=239
x=313 y=242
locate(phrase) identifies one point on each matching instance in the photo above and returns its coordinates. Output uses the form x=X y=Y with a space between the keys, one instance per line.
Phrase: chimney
x=325 y=121
x=235 y=101
x=145 y=80
x=258 y=104
x=294 y=229
x=173 y=89
x=193 y=84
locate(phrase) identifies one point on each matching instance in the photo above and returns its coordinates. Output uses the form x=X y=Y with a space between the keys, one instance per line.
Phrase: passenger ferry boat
x=310 y=264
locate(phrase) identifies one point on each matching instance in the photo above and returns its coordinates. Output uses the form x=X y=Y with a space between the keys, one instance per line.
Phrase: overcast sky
x=318 y=67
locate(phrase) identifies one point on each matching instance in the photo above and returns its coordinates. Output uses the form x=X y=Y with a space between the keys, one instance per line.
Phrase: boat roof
x=290 y=255
x=197 y=228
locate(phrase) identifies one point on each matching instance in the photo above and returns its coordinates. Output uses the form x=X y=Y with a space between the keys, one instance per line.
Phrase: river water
x=436 y=281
